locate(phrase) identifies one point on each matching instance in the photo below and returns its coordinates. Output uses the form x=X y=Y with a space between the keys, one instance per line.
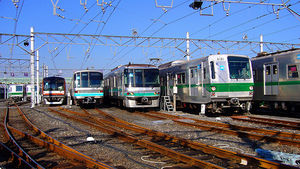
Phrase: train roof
x=53 y=78
x=87 y=70
x=134 y=66
x=172 y=63
x=265 y=54
x=180 y=62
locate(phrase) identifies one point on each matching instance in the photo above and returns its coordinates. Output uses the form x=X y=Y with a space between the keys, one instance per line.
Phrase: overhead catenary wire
x=100 y=32
x=162 y=27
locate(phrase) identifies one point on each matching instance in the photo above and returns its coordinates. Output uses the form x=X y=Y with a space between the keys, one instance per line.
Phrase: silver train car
x=133 y=86
x=210 y=84
x=277 y=80
x=53 y=90
x=87 y=87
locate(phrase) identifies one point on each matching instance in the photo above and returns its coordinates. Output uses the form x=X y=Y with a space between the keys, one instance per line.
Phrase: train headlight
x=251 y=87
x=156 y=93
x=213 y=88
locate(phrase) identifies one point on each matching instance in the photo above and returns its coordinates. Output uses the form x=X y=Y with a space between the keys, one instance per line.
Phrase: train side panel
x=277 y=78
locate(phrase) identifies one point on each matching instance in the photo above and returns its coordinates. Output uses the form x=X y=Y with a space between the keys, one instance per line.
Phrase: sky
x=147 y=18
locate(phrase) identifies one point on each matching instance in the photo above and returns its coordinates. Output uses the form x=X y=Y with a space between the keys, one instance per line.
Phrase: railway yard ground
x=157 y=139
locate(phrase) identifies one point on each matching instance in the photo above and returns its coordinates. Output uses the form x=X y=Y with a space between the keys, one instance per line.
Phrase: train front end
x=54 y=90
x=87 y=87
x=231 y=83
x=141 y=87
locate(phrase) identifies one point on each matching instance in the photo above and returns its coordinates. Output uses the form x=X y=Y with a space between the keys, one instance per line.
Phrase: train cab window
x=95 y=79
x=292 y=71
x=268 y=70
x=77 y=79
x=19 y=88
x=212 y=67
x=84 y=79
x=138 y=77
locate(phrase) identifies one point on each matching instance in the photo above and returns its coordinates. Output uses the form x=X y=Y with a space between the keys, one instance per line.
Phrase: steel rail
x=270 y=122
x=221 y=153
x=61 y=148
x=58 y=147
x=14 y=156
x=230 y=130
x=143 y=143
x=47 y=138
x=22 y=152
x=230 y=126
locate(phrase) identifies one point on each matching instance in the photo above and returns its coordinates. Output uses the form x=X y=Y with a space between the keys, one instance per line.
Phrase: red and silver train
x=53 y=90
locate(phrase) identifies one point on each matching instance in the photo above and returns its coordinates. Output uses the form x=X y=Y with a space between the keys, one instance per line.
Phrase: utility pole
x=32 y=66
x=261 y=43
x=187 y=46
x=37 y=77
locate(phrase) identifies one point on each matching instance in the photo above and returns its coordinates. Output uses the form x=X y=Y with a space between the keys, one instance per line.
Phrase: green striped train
x=133 y=86
x=214 y=83
x=17 y=92
x=277 y=81
x=87 y=87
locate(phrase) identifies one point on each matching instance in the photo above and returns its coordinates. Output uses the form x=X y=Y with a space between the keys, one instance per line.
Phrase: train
x=17 y=92
x=211 y=84
x=87 y=87
x=277 y=80
x=54 y=90
x=133 y=86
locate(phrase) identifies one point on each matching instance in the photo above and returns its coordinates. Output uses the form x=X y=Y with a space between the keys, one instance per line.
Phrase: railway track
x=182 y=150
x=269 y=136
x=35 y=149
x=268 y=121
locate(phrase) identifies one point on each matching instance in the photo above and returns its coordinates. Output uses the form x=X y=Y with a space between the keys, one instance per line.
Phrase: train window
x=84 y=79
x=128 y=77
x=77 y=79
x=292 y=71
x=239 y=67
x=268 y=69
x=181 y=78
x=275 y=70
x=95 y=79
x=19 y=88
x=192 y=73
x=138 y=77
x=212 y=67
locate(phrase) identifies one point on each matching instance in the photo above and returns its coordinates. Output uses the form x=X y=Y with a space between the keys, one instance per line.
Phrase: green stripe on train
x=15 y=94
x=222 y=87
x=282 y=83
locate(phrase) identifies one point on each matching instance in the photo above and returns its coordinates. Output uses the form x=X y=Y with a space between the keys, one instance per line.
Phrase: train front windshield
x=88 y=79
x=141 y=77
x=54 y=84
x=239 y=67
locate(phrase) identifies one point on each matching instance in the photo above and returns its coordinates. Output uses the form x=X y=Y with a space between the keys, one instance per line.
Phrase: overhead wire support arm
x=245 y=2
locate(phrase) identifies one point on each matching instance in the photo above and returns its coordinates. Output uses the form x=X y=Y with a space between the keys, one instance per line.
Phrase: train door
x=168 y=84
x=193 y=81
x=271 y=79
